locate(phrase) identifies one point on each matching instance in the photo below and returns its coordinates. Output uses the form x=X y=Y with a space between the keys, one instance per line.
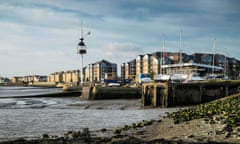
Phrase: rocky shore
x=214 y=122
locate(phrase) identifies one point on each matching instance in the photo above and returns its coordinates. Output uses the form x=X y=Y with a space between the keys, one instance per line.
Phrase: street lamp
x=82 y=50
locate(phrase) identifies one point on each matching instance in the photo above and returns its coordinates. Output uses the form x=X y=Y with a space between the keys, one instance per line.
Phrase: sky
x=39 y=37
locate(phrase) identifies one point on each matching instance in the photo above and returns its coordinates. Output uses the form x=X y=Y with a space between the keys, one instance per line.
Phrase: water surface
x=31 y=117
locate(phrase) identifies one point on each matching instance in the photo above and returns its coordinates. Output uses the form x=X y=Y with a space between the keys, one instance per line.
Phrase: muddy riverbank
x=215 y=122
x=29 y=118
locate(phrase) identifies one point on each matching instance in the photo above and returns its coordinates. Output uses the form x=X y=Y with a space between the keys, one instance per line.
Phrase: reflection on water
x=31 y=117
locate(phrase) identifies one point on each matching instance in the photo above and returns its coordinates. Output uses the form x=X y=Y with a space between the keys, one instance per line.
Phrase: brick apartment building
x=100 y=70
x=92 y=72
x=171 y=63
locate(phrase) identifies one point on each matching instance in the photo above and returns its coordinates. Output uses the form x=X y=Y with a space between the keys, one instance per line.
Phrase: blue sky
x=41 y=36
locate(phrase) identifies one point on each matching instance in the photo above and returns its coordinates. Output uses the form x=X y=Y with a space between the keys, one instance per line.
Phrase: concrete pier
x=155 y=94
x=86 y=92
x=100 y=92
x=176 y=94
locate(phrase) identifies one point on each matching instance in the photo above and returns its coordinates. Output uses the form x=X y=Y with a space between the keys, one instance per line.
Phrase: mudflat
x=214 y=122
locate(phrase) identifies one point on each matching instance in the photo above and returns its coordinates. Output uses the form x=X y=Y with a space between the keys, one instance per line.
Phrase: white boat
x=143 y=78
x=114 y=84
x=178 y=77
x=161 y=77
x=193 y=77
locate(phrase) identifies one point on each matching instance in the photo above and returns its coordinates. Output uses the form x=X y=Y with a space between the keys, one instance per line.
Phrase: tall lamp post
x=81 y=49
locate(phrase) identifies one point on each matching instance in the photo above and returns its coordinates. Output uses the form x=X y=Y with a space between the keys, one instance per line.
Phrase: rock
x=145 y=122
x=228 y=135
x=126 y=127
x=103 y=130
x=134 y=125
x=117 y=131
x=190 y=136
x=45 y=136
x=85 y=133
x=72 y=135
x=238 y=129
x=54 y=137
x=160 y=120
x=219 y=132
x=228 y=128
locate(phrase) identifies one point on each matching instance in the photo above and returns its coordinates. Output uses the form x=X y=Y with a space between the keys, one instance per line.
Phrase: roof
x=192 y=64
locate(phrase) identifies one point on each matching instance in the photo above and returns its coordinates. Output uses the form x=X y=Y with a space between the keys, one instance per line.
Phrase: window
x=207 y=59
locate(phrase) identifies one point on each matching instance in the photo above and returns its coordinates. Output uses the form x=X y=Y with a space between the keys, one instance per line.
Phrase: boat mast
x=214 y=51
x=180 y=51
x=225 y=64
x=162 y=54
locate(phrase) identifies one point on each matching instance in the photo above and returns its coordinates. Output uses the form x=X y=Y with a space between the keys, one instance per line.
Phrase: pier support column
x=160 y=95
x=86 y=92
x=154 y=95
x=200 y=93
x=226 y=91
x=144 y=95
x=173 y=94
x=165 y=96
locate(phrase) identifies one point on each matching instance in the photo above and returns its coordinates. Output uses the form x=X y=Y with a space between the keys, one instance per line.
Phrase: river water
x=30 y=117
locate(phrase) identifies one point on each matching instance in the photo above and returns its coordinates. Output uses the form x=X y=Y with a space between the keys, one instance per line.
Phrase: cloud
x=124 y=50
x=46 y=33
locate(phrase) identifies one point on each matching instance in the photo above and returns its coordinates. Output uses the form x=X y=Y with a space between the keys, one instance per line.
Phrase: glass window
x=207 y=59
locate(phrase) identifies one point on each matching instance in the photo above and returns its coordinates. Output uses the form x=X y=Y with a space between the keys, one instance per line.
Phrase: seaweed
x=228 y=108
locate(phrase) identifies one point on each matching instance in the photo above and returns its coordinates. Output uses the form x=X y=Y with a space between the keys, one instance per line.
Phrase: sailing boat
x=213 y=75
x=225 y=76
x=179 y=77
x=162 y=76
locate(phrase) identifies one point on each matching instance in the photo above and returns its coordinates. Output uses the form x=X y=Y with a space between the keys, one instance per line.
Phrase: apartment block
x=65 y=77
x=139 y=64
x=147 y=63
x=71 y=76
x=101 y=70
x=128 y=70
x=172 y=63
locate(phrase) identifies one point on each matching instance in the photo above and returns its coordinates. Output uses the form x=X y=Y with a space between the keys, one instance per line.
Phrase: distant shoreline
x=57 y=94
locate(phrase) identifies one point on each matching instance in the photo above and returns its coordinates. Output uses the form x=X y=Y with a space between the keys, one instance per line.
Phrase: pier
x=165 y=94
x=99 y=92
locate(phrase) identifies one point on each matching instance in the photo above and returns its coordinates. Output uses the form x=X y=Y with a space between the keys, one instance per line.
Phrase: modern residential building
x=92 y=72
x=17 y=79
x=64 y=77
x=128 y=70
x=101 y=70
x=147 y=63
x=172 y=63
x=139 y=64
x=29 y=79
x=35 y=78
x=71 y=76
x=56 y=77
x=89 y=72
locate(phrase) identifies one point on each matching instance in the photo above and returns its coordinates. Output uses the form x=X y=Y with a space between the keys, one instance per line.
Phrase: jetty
x=166 y=94
x=101 y=92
